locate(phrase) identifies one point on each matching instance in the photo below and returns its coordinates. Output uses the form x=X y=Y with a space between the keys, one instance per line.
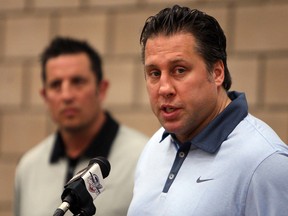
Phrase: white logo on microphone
x=94 y=184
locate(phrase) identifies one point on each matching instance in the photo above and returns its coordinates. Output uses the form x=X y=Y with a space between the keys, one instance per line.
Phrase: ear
x=218 y=73
x=43 y=94
x=103 y=89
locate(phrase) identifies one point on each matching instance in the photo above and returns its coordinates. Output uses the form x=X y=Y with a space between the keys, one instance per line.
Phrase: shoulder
x=262 y=129
x=130 y=135
x=38 y=153
x=259 y=134
x=129 y=142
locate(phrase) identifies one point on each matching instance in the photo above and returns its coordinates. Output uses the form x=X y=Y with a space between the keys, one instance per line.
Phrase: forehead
x=173 y=46
x=69 y=65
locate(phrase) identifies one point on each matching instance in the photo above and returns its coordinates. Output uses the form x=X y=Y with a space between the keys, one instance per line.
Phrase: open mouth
x=169 y=109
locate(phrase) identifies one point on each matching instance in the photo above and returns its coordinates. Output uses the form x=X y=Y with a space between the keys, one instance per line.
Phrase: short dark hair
x=210 y=38
x=65 y=45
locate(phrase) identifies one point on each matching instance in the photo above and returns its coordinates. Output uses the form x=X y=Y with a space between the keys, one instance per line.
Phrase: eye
x=152 y=72
x=56 y=84
x=78 y=81
x=155 y=73
x=180 y=70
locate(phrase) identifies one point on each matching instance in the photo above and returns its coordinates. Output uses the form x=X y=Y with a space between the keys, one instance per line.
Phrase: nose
x=166 y=88
x=67 y=92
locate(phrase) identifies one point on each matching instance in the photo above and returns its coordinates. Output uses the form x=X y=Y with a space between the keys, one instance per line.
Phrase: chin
x=71 y=127
x=170 y=128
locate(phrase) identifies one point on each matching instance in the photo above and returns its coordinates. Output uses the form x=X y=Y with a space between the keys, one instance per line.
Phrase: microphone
x=83 y=188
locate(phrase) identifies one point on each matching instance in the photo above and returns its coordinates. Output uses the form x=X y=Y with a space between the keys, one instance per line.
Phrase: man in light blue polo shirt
x=211 y=158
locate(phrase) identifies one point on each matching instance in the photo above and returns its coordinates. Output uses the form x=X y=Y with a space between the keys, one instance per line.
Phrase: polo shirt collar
x=217 y=131
x=100 y=145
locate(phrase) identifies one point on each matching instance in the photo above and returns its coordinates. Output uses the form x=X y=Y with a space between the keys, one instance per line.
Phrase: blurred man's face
x=71 y=92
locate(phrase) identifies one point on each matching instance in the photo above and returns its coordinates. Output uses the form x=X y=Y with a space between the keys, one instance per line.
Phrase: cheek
x=151 y=90
x=92 y=103
x=54 y=108
x=52 y=102
x=89 y=96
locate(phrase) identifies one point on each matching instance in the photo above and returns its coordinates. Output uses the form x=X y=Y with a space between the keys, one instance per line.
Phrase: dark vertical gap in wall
x=137 y=77
x=141 y=3
x=83 y=3
x=110 y=32
x=54 y=25
x=261 y=77
x=2 y=36
x=28 y=4
x=1 y=135
x=231 y=26
x=26 y=85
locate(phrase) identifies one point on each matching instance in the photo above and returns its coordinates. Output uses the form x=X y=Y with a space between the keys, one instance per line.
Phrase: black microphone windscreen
x=104 y=165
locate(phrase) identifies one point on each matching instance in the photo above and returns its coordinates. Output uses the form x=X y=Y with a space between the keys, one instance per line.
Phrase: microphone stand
x=87 y=209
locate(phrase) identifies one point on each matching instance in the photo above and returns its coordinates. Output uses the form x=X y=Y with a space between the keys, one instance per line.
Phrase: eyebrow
x=175 y=61
x=149 y=66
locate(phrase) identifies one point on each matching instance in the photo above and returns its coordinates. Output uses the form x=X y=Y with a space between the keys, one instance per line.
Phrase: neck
x=77 y=141
x=222 y=102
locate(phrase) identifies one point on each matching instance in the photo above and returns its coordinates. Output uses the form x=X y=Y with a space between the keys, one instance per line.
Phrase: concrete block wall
x=257 y=57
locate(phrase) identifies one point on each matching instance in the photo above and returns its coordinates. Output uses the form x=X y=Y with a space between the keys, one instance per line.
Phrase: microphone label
x=94 y=185
x=94 y=181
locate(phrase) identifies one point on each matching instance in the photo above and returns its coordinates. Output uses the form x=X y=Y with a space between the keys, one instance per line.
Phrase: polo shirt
x=235 y=166
x=100 y=146
x=41 y=173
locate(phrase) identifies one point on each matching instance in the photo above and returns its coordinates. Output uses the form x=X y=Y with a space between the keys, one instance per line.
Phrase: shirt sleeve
x=268 y=191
